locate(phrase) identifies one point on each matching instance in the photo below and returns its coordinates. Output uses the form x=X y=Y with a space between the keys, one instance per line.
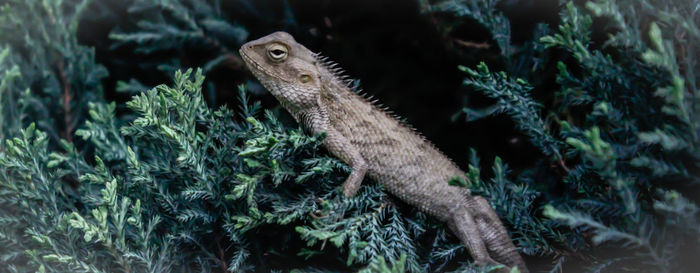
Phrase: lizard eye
x=277 y=52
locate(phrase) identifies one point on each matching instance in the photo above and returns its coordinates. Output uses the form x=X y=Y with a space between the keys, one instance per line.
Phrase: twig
x=222 y=257
x=563 y=165
x=66 y=99
x=481 y=45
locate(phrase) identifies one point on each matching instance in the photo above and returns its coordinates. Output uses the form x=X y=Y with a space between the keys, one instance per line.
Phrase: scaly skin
x=376 y=144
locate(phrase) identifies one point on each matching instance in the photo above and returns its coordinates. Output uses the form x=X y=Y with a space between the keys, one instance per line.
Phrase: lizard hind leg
x=465 y=228
x=494 y=234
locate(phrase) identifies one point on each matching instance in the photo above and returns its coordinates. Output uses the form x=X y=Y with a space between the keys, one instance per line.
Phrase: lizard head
x=286 y=68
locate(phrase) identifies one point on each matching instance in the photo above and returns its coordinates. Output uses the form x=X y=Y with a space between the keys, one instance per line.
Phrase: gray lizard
x=376 y=144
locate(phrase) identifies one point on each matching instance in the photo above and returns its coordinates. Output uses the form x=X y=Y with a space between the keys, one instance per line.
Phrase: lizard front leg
x=338 y=145
x=341 y=147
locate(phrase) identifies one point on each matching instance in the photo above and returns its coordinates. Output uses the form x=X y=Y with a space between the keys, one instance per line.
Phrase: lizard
x=376 y=144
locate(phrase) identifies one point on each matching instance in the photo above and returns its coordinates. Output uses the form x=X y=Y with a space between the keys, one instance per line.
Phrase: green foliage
x=180 y=185
x=40 y=51
x=623 y=160
x=381 y=267
x=513 y=98
x=166 y=31
x=167 y=183
x=13 y=99
x=167 y=24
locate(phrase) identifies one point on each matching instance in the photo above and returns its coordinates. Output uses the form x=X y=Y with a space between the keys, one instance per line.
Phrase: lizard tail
x=495 y=236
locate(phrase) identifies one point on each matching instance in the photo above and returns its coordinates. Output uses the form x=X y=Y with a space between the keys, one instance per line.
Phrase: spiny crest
x=339 y=75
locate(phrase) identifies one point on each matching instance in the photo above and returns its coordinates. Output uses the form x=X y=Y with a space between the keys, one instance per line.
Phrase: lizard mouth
x=249 y=61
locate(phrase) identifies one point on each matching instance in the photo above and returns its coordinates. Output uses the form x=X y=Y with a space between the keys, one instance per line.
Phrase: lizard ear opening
x=277 y=52
x=304 y=78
